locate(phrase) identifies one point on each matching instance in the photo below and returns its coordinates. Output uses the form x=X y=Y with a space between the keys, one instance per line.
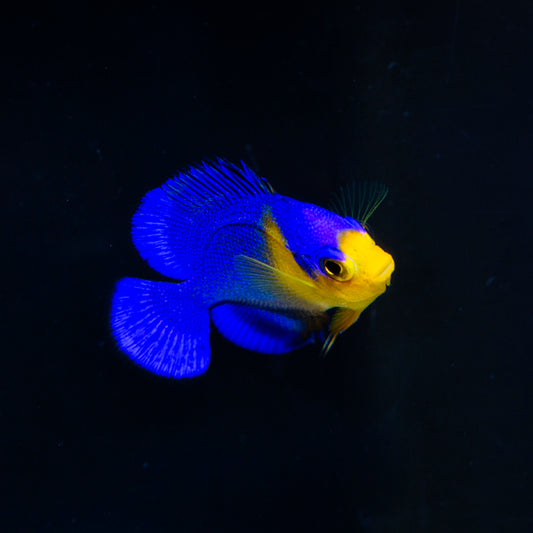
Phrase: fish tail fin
x=161 y=327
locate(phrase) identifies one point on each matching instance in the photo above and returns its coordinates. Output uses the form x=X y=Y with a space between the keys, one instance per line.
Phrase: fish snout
x=382 y=267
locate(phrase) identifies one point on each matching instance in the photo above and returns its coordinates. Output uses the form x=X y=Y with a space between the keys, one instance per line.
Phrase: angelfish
x=271 y=273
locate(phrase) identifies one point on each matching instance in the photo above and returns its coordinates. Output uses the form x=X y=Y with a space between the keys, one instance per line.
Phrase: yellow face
x=351 y=276
x=358 y=278
x=347 y=278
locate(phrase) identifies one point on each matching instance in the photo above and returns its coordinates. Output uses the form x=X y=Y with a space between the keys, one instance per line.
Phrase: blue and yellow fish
x=272 y=273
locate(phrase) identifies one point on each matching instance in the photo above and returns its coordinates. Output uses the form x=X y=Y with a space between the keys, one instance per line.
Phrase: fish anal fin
x=264 y=330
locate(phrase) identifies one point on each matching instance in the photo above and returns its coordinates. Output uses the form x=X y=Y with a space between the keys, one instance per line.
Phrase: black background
x=420 y=417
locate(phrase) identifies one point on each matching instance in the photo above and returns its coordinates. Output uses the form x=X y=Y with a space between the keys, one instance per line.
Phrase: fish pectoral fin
x=265 y=271
x=282 y=285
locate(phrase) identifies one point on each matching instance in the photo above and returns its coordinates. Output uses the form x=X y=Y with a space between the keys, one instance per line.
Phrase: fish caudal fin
x=161 y=327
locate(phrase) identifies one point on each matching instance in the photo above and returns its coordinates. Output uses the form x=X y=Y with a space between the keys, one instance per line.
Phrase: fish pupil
x=333 y=268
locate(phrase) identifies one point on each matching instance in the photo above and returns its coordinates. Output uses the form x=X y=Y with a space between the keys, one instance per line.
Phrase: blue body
x=193 y=230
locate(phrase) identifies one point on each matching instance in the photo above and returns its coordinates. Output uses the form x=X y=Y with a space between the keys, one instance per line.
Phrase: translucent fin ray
x=160 y=327
x=358 y=200
x=283 y=287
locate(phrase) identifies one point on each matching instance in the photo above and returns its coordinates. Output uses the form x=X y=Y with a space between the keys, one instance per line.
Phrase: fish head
x=355 y=272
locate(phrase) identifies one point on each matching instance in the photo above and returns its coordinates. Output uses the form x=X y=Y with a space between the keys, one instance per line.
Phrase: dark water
x=420 y=417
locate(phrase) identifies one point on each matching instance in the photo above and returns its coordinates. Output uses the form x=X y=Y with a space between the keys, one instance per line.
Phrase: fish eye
x=332 y=268
x=337 y=270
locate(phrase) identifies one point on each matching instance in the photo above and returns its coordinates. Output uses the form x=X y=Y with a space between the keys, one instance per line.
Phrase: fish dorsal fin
x=358 y=200
x=169 y=227
x=214 y=180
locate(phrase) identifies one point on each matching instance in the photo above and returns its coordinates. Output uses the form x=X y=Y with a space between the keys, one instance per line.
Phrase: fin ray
x=283 y=286
x=358 y=200
x=341 y=320
x=160 y=328
x=166 y=222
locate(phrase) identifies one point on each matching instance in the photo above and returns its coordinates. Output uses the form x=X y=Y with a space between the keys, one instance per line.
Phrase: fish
x=271 y=273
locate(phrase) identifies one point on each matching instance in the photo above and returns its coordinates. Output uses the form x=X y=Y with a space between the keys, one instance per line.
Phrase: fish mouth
x=384 y=270
x=386 y=273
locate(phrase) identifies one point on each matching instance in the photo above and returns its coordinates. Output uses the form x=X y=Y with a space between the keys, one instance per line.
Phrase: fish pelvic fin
x=161 y=327
x=341 y=320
